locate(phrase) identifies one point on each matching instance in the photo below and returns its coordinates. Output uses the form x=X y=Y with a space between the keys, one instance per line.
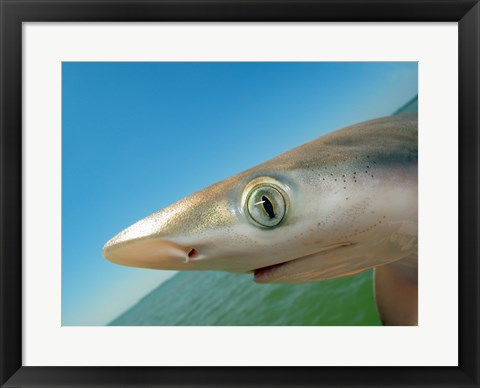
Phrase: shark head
x=332 y=207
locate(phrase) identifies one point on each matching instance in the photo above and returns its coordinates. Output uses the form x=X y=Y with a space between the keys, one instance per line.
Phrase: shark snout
x=148 y=252
x=144 y=245
x=178 y=237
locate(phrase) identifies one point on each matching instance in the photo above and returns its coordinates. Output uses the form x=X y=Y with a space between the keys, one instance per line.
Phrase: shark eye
x=266 y=205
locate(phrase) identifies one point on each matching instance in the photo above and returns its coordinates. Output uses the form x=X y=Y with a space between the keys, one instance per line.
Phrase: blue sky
x=137 y=137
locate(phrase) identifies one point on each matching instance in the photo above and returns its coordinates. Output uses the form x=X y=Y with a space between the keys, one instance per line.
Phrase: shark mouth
x=273 y=272
x=264 y=273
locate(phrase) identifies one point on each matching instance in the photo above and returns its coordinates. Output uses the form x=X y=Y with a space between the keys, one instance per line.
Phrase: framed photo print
x=239 y=193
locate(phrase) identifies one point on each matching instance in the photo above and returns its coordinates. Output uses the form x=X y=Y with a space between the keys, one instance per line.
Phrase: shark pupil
x=267 y=205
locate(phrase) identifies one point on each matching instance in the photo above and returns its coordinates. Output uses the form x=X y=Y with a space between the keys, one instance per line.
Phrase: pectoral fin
x=396 y=292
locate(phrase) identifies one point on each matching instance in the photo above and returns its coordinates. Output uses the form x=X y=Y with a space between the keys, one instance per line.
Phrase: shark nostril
x=192 y=254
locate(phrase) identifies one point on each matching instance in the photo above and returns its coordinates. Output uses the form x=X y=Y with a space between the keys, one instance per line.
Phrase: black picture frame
x=14 y=12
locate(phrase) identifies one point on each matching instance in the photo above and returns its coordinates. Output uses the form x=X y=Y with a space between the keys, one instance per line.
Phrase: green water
x=410 y=107
x=223 y=299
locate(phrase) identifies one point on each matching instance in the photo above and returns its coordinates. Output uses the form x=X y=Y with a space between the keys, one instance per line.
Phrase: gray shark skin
x=333 y=207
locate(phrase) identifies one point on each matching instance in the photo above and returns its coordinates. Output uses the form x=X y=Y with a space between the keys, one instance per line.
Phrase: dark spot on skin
x=335 y=179
x=368 y=166
x=366 y=172
x=344 y=181
x=355 y=181
x=344 y=187
x=343 y=175
x=374 y=162
x=368 y=156
x=372 y=176
x=354 y=173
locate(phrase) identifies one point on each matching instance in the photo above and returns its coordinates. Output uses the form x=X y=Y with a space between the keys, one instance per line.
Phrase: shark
x=338 y=205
